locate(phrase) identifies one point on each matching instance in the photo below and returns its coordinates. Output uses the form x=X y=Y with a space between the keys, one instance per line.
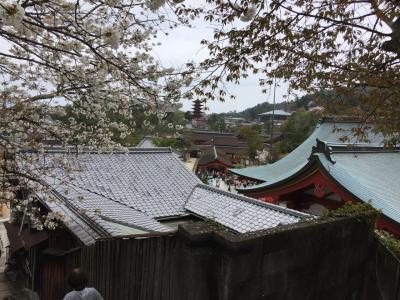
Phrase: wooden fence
x=386 y=274
x=327 y=260
x=132 y=268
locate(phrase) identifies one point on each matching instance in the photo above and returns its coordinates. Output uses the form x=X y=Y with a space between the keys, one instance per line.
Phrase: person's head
x=77 y=279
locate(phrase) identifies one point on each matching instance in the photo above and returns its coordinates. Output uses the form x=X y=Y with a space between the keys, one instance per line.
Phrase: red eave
x=316 y=177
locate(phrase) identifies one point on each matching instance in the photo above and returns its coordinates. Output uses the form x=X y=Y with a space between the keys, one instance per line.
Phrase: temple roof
x=134 y=189
x=213 y=155
x=369 y=172
x=108 y=194
x=278 y=112
x=371 y=176
x=206 y=134
x=329 y=131
x=228 y=142
x=239 y=213
x=135 y=179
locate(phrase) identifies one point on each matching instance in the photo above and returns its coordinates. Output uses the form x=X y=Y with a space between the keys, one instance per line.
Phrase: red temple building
x=213 y=160
x=324 y=173
x=228 y=145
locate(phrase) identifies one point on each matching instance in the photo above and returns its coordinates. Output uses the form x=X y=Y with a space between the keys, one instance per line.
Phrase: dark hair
x=77 y=279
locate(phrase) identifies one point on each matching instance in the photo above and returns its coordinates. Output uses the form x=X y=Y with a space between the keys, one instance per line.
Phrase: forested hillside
x=252 y=112
x=332 y=102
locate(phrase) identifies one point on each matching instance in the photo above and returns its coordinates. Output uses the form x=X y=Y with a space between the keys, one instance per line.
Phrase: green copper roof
x=326 y=132
x=373 y=176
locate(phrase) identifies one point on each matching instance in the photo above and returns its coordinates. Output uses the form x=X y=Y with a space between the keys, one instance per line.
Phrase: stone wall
x=326 y=260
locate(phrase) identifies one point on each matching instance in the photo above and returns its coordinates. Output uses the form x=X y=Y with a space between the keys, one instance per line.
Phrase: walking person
x=78 y=280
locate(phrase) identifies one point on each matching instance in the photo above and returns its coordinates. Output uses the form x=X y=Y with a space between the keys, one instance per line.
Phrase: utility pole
x=272 y=120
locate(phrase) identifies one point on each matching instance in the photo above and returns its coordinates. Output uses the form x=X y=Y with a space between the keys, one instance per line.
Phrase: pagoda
x=197 y=109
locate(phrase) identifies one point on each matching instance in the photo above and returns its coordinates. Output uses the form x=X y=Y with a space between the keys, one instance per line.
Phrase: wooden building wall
x=51 y=261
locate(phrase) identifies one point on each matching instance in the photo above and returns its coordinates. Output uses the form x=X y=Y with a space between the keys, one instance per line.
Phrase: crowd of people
x=229 y=182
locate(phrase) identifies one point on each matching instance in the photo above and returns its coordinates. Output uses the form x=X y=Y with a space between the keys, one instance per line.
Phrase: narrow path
x=7 y=288
x=3 y=246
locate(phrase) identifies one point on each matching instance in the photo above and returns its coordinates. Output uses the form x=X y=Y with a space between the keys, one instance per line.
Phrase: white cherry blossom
x=12 y=14
x=95 y=57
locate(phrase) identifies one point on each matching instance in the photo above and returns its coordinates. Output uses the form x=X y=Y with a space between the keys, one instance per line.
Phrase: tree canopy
x=216 y=122
x=252 y=137
x=95 y=55
x=349 y=47
x=297 y=129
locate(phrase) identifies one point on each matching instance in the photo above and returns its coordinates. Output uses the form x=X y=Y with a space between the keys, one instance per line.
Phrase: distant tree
x=304 y=101
x=216 y=122
x=188 y=115
x=298 y=127
x=182 y=144
x=252 y=137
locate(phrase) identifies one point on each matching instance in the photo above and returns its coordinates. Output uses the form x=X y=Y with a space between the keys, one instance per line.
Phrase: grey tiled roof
x=99 y=207
x=131 y=189
x=239 y=213
x=153 y=181
x=88 y=218
x=138 y=188
x=75 y=223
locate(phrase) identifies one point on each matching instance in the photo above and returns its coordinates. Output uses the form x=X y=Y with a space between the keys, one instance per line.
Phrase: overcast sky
x=183 y=44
